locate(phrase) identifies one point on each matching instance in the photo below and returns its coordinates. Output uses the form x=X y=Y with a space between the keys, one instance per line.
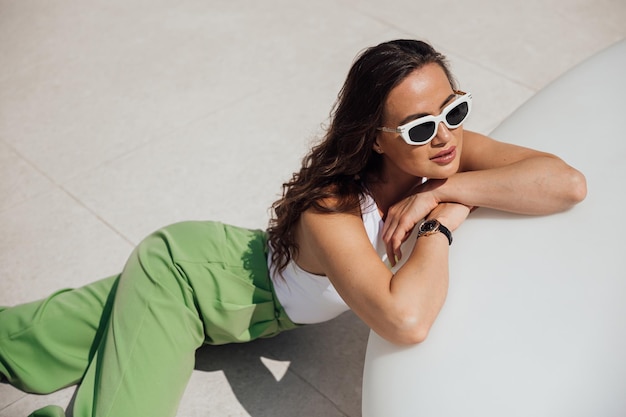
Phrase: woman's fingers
x=401 y=219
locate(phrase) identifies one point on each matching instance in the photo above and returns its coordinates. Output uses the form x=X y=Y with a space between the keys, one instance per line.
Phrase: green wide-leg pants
x=130 y=339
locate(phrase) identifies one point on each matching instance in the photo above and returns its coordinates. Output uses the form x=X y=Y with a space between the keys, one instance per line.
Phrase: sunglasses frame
x=403 y=130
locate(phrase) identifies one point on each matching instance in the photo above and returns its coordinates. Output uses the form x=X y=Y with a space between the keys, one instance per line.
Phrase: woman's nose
x=444 y=135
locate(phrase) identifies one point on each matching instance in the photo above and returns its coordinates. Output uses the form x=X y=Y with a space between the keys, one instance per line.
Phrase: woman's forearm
x=534 y=186
x=418 y=291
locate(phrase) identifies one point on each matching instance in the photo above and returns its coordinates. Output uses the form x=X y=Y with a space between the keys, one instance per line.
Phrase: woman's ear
x=376 y=147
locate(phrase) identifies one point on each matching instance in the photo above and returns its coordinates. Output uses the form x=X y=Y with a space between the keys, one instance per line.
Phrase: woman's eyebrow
x=418 y=115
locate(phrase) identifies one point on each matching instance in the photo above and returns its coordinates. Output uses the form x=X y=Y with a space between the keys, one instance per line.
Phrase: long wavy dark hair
x=339 y=167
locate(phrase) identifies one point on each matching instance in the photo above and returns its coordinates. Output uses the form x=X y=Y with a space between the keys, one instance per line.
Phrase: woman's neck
x=386 y=191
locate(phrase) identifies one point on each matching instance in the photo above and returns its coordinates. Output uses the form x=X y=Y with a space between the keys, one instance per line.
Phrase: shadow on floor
x=324 y=375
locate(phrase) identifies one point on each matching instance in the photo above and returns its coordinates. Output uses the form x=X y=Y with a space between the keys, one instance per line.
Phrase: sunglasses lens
x=422 y=132
x=456 y=115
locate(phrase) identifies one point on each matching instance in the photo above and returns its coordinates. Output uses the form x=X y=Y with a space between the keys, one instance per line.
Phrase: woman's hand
x=405 y=215
x=402 y=217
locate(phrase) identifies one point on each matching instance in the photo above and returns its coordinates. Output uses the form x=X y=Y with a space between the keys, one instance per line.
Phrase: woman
x=348 y=233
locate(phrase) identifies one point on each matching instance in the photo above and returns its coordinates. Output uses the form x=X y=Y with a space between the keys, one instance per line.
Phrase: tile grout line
x=24 y=395
x=301 y=378
x=479 y=64
x=33 y=166
x=65 y=191
x=98 y=217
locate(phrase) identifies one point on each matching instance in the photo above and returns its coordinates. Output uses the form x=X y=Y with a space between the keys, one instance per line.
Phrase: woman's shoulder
x=338 y=198
x=334 y=225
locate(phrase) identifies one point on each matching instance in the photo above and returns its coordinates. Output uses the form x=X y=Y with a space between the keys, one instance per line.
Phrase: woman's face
x=426 y=91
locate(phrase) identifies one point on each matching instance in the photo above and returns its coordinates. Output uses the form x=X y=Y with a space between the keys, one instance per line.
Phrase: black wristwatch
x=433 y=226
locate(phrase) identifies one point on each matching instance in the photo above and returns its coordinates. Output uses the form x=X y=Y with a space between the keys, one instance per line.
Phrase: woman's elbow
x=416 y=337
x=410 y=330
x=576 y=187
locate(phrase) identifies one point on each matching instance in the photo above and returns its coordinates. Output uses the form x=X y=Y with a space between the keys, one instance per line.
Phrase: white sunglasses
x=422 y=130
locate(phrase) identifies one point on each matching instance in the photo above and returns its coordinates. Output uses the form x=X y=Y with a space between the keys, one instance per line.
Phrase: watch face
x=432 y=226
x=429 y=226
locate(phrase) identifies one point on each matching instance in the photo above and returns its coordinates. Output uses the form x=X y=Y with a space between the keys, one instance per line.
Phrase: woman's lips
x=445 y=157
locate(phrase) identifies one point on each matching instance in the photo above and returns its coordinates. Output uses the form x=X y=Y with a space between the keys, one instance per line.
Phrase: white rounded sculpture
x=535 y=320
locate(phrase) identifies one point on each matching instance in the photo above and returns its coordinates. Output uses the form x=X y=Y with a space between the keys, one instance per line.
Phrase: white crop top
x=308 y=298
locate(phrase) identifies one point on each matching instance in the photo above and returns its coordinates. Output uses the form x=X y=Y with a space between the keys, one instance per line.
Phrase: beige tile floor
x=119 y=117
